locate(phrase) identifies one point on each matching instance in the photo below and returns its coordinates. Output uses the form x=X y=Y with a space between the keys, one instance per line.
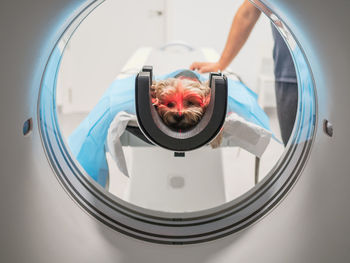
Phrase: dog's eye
x=191 y=103
x=170 y=105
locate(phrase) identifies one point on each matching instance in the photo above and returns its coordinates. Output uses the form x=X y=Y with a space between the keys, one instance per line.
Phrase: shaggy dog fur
x=181 y=103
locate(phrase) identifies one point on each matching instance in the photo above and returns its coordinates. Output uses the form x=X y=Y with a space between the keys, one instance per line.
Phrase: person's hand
x=204 y=67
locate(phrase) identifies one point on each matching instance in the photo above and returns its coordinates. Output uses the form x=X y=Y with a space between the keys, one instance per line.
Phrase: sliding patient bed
x=152 y=169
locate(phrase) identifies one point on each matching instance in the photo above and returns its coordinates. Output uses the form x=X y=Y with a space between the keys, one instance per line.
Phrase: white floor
x=195 y=185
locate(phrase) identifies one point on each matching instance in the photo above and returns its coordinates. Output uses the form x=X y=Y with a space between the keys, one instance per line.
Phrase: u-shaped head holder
x=158 y=133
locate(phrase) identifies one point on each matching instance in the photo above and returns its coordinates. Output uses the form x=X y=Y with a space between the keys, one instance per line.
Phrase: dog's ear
x=206 y=99
x=155 y=100
x=207 y=94
x=153 y=89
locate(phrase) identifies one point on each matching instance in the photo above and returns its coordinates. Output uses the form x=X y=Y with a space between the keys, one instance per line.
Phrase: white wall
x=207 y=23
x=111 y=34
x=101 y=46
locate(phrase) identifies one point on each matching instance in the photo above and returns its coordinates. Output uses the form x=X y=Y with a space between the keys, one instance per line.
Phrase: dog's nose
x=178 y=117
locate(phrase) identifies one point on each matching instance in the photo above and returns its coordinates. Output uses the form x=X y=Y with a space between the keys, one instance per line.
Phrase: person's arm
x=242 y=25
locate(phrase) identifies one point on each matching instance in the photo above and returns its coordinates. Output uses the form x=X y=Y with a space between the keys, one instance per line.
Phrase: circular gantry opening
x=92 y=138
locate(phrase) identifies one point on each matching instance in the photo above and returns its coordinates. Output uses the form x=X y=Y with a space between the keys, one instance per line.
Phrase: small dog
x=181 y=103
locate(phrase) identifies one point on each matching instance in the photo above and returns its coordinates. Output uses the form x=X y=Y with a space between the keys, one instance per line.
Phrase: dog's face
x=180 y=102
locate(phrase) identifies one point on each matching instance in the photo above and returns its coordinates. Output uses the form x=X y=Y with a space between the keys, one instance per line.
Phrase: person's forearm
x=242 y=25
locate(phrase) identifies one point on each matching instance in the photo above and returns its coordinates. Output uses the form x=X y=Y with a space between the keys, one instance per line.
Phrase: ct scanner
x=52 y=213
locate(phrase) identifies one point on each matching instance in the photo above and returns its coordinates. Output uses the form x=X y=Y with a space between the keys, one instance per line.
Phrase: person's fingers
x=205 y=69
x=193 y=66
x=196 y=65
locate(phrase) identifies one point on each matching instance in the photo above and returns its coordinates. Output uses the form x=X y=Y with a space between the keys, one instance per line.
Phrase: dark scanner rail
x=159 y=134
